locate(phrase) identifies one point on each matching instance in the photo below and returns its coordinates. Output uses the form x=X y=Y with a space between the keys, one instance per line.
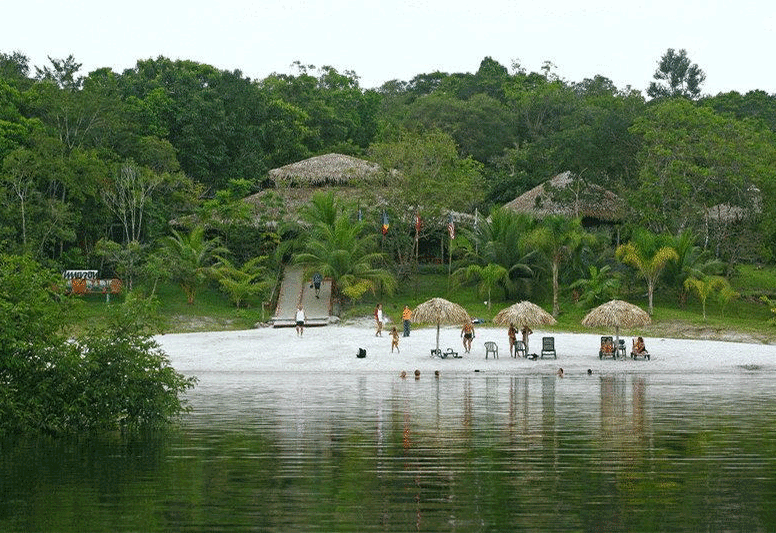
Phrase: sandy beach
x=333 y=348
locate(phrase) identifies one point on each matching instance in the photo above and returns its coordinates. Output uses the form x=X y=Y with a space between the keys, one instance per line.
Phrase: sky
x=382 y=40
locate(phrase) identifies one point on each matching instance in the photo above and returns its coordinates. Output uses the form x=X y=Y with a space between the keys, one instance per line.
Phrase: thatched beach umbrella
x=524 y=314
x=617 y=314
x=439 y=311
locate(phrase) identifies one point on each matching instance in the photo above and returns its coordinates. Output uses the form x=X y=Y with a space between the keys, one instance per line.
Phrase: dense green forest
x=96 y=166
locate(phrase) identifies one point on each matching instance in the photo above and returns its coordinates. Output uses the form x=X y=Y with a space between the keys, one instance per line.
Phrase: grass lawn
x=746 y=318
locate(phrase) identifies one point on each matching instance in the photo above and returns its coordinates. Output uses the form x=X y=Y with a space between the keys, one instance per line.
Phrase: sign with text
x=80 y=274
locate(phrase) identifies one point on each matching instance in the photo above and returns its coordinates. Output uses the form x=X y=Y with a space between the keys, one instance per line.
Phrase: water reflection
x=371 y=452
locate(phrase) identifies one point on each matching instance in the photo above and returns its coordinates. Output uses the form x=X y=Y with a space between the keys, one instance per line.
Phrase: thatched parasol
x=617 y=314
x=439 y=311
x=325 y=169
x=524 y=314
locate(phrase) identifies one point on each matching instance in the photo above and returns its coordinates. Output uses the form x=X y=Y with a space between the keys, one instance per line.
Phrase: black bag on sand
x=361 y=353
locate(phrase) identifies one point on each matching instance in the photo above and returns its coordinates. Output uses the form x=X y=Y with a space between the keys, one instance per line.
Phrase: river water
x=460 y=452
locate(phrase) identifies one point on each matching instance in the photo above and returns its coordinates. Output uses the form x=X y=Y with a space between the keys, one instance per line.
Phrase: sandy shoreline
x=333 y=348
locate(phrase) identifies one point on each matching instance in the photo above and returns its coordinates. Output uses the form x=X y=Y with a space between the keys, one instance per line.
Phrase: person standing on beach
x=379 y=320
x=512 y=334
x=467 y=332
x=526 y=331
x=301 y=316
x=406 y=316
x=317 y=279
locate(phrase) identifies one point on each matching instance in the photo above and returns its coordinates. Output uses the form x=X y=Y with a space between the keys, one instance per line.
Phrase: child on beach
x=394 y=339
x=379 y=320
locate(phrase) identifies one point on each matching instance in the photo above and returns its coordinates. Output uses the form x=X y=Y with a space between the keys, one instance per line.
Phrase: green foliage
x=498 y=240
x=190 y=258
x=489 y=277
x=113 y=377
x=601 y=286
x=250 y=279
x=676 y=77
x=705 y=286
x=344 y=251
x=557 y=237
x=648 y=253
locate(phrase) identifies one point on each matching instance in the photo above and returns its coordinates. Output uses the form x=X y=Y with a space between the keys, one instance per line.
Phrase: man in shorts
x=300 y=318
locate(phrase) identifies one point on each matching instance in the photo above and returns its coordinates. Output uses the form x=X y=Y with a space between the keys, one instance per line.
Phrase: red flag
x=418 y=222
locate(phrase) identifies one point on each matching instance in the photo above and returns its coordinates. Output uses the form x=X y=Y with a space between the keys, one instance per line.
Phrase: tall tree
x=647 y=253
x=691 y=160
x=675 y=76
x=346 y=252
x=557 y=237
x=190 y=258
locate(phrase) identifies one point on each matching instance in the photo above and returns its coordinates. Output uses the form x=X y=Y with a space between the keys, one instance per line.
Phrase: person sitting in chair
x=607 y=347
x=638 y=346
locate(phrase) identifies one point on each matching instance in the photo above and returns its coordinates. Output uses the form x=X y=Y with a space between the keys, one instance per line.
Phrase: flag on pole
x=385 y=223
x=418 y=223
x=451 y=226
x=360 y=216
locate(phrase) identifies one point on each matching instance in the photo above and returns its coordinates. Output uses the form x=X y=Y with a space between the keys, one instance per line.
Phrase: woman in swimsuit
x=467 y=332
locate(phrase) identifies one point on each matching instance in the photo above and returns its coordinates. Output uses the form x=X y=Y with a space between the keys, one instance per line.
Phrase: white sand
x=333 y=349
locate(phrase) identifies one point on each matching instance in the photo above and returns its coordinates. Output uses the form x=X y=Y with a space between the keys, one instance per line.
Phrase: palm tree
x=189 y=258
x=693 y=261
x=489 y=277
x=497 y=241
x=600 y=287
x=647 y=253
x=347 y=253
x=557 y=237
x=705 y=286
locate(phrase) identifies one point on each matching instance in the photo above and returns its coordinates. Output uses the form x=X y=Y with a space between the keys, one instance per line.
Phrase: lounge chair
x=520 y=349
x=607 y=348
x=491 y=347
x=548 y=347
x=450 y=353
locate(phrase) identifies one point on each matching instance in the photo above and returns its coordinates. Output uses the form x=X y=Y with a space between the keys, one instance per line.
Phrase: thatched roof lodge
x=327 y=169
x=295 y=184
x=563 y=195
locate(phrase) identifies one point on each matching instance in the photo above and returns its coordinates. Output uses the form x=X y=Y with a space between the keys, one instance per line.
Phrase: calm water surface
x=462 y=452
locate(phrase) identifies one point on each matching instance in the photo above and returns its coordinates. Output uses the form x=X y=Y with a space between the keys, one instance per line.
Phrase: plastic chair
x=491 y=347
x=520 y=349
x=548 y=347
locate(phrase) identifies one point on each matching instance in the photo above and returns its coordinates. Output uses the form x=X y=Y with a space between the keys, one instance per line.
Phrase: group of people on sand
x=467 y=333
x=512 y=334
x=406 y=317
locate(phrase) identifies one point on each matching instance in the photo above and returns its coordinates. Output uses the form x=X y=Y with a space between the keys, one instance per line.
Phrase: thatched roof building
x=563 y=195
x=295 y=184
x=328 y=169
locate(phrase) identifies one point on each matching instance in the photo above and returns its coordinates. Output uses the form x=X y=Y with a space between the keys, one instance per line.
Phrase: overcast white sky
x=732 y=41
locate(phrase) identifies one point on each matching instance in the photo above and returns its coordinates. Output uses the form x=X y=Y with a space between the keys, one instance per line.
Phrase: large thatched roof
x=562 y=195
x=333 y=169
